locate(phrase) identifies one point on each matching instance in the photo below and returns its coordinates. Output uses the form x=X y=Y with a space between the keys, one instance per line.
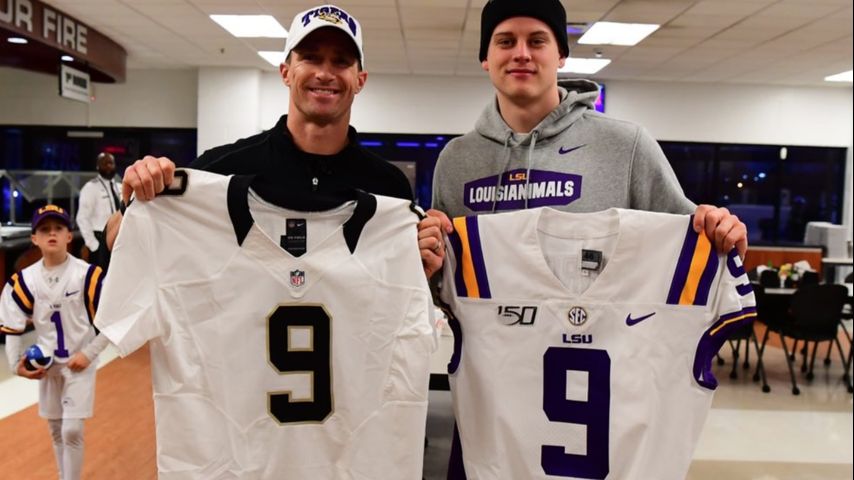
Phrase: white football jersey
x=584 y=342
x=61 y=303
x=267 y=364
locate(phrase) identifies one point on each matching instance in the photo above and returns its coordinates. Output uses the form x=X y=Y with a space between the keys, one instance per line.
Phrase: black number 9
x=314 y=359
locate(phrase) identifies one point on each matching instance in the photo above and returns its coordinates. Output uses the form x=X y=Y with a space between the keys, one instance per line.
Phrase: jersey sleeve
x=16 y=305
x=733 y=307
x=92 y=290
x=127 y=304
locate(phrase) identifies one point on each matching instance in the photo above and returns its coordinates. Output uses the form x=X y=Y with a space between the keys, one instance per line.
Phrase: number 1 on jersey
x=60 y=351
x=298 y=341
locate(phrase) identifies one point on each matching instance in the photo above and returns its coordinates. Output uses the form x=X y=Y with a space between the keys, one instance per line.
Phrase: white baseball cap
x=324 y=16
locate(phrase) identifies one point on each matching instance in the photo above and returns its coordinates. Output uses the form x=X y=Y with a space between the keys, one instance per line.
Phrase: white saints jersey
x=269 y=362
x=61 y=302
x=584 y=342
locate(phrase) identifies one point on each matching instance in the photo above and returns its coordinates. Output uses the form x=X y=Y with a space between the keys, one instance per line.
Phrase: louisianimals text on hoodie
x=576 y=160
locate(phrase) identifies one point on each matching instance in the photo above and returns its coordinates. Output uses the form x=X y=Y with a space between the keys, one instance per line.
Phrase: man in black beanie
x=550 y=132
x=541 y=143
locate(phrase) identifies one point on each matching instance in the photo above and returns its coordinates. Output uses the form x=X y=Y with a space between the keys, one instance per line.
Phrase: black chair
x=849 y=278
x=771 y=312
x=814 y=317
x=769 y=278
x=809 y=278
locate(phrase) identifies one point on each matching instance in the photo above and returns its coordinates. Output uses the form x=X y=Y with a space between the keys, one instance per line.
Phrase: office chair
x=814 y=317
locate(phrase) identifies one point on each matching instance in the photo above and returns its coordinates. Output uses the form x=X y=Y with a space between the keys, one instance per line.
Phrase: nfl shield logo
x=297 y=278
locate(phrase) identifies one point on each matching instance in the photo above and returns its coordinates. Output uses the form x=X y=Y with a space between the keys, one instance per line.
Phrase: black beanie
x=550 y=12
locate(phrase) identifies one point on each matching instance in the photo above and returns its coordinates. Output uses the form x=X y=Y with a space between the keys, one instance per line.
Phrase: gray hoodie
x=575 y=160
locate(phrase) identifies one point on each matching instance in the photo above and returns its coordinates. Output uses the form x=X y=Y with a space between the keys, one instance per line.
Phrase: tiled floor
x=749 y=435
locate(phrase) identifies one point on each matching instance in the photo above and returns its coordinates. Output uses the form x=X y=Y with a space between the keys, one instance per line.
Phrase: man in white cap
x=312 y=148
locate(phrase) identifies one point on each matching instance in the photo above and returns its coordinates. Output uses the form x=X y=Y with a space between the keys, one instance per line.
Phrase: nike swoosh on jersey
x=68 y=294
x=634 y=321
x=564 y=151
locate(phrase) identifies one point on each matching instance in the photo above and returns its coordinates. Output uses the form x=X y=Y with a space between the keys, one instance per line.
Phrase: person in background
x=99 y=199
x=543 y=144
x=59 y=295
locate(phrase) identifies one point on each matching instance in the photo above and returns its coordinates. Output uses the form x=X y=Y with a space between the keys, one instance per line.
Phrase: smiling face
x=522 y=60
x=324 y=76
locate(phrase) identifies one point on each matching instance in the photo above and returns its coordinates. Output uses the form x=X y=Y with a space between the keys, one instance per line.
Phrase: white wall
x=228 y=105
x=149 y=98
x=735 y=113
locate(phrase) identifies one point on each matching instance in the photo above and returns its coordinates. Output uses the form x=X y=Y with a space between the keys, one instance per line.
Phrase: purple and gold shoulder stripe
x=712 y=341
x=695 y=270
x=470 y=271
x=92 y=290
x=21 y=293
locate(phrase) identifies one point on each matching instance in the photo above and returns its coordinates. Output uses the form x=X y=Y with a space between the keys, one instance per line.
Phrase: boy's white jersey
x=61 y=303
x=267 y=364
x=584 y=342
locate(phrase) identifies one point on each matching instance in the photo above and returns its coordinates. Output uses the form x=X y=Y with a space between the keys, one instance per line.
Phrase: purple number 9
x=594 y=413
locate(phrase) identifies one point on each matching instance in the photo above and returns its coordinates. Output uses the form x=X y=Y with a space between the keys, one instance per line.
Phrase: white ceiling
x=784 y=42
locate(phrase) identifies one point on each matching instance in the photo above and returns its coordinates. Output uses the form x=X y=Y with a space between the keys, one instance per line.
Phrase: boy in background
x=59 y=295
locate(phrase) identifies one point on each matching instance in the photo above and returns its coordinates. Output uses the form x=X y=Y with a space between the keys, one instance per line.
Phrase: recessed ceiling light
x=251 y=26
x=612 y=33
x=67 y=58
x=17 y=40
x=275 y=58
x=840 y=77
x=584 y=65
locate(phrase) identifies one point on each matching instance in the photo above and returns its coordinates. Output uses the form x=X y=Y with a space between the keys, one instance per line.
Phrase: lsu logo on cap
x=51 y=208
x=331 y=14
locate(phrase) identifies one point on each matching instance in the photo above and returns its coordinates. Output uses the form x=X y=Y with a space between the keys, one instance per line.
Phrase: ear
x=484 y=65
x=284 y=68
x=33 y=239
x=561 y=63
x=361 y=79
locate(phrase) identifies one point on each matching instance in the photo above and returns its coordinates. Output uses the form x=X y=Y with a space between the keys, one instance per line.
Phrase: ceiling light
x=252 y=26
x=18 y=40
x=840 y=77
x=611 y=33
x=584 y=65
x=275 y=58
x=67 y=58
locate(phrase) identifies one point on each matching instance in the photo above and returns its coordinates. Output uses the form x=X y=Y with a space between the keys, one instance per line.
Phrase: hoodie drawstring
x=507 y=153
x=534 y=136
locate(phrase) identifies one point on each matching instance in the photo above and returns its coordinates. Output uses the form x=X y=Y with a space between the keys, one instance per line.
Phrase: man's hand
x=147 y=177
x=78 y=362
x=36 y=374
x=724 y=229
x=430 y=240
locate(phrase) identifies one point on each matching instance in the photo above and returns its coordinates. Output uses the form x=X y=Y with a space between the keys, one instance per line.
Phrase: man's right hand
x=147 y=177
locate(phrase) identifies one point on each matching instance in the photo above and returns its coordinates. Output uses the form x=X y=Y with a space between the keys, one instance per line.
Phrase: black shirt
x=319 y=179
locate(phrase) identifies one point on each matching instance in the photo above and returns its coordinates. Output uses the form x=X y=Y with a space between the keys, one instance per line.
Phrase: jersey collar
x=242 y=221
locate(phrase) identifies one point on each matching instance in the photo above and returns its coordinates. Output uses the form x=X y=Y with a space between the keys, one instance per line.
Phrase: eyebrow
x=509 y=33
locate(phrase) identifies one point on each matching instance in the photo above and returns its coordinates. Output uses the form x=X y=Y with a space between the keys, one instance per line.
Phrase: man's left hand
x=724 y=229
x=78 y=362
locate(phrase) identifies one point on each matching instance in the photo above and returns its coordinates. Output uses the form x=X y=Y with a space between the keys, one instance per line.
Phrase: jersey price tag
x=294 y=239
x=591 y=260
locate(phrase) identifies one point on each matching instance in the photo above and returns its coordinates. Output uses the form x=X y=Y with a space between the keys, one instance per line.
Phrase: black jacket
x=319 y=179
